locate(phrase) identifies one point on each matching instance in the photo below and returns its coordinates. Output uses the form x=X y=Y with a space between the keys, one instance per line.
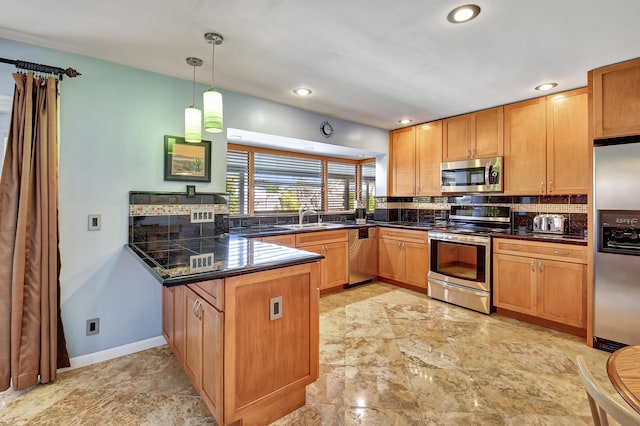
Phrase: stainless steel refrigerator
x=617 y=245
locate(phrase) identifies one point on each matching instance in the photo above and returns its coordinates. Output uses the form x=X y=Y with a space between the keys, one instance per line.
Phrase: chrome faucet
x=303 y=211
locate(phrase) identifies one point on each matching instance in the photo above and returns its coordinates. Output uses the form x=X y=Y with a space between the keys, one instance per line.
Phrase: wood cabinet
x=546 y=146
x=415 y=156
x=475 y=135
x=568 y=144
x=543 y=280
x=403 y=165
x=247 y=365
x=616 y=99
x=334 y=246
x=288 y=240
x=403 y=255
x=173 y=318
x=428 y=158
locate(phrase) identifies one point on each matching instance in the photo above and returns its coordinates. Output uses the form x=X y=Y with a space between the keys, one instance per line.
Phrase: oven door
x=460 y=259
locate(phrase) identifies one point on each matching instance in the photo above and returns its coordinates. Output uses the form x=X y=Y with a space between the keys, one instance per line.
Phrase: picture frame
x=186 y=161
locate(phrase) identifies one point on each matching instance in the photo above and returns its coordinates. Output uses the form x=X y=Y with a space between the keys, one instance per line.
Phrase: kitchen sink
x=304 y=226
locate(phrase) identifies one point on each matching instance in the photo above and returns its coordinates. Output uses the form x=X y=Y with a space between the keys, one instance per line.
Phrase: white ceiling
x=371 y=62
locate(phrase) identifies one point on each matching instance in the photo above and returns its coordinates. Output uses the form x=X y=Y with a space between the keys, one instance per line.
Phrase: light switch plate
x=202 y=215
x=95 y=222
x=275 y=308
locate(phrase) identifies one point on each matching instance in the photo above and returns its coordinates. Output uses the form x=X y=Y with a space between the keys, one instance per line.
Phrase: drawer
x=403 y=235
x=212 y=291
x=322 y=237
x=288 y=240
x=552 y=251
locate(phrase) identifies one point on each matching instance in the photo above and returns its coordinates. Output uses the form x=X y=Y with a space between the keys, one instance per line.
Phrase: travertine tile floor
x=389 y=356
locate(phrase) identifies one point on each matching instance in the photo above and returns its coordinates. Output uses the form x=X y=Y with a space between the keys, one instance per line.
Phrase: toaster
x=549 y=223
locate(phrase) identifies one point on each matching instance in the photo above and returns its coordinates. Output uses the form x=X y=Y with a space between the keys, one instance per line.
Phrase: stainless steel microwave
x=479 y=175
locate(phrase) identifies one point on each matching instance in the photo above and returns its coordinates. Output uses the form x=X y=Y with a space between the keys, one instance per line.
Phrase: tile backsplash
x=161 y=216
x=523 y=209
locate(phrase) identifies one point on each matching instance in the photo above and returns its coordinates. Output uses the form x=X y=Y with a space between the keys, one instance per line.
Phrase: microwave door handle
x=487 y=173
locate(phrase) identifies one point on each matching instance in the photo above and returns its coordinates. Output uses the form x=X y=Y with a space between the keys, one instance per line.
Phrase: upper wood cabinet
x=475 y=135
x=546 y=145
x=428 y=158
x=568 y=143
x=416 y=153
x=616 y=99
x=525 y=147
x=403 y=165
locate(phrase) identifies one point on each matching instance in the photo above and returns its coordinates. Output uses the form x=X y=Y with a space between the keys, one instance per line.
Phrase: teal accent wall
x=113 y=120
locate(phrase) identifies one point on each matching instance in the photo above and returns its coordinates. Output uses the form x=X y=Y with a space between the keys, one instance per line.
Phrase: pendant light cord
x=193 y=88
x=213 y=62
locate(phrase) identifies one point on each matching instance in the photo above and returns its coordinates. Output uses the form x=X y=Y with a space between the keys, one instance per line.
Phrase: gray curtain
x=32 y=343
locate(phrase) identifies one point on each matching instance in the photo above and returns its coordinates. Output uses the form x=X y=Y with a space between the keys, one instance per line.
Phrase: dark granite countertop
x=171 y=261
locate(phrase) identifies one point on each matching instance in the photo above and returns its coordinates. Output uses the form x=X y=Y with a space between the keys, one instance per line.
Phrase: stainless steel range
x=460 y=256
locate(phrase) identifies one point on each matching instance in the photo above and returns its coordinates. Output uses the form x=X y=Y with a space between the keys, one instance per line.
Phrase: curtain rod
x=48 y=69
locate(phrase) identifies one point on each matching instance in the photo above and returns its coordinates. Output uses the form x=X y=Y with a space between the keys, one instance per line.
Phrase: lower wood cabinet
x=247 y=365
x=543 y=280
x=334 y=246
x=403 y=255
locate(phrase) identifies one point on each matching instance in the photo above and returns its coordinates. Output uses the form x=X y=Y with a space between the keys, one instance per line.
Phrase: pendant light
x=192 y=115
x=212 y=98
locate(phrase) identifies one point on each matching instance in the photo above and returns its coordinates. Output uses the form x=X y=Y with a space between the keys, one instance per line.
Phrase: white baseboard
x=107 y=354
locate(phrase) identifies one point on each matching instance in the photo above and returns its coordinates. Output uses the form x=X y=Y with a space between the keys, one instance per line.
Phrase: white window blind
x=341 y=186
x=368 y=182
x=284 y=183
x=238 y=181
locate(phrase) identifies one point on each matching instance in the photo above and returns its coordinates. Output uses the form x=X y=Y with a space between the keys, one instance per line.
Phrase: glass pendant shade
x=192 y=124
x=212 y=111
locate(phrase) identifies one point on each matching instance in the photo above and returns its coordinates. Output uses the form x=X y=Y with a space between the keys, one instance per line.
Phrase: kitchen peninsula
x=240 y=316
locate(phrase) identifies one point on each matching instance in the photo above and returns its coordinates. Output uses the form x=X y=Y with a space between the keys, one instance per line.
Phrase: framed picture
x=186 y=161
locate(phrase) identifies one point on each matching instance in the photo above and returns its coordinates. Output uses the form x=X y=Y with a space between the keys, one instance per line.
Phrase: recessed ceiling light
x=546 y=86
x=463 y=13
x=302 y=91
x=405 y=121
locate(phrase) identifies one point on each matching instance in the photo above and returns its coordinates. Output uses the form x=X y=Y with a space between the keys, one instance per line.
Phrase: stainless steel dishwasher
x=363 y=255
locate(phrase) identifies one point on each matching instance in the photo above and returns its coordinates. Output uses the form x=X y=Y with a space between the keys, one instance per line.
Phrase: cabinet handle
x=542 y=187
x=540 y=266
x=399 y=244
x=550 y=186
x=561 y=253
x=473 y=152
x=514 y=248
x=469 y=153
x=533 y=266
x=196 y=308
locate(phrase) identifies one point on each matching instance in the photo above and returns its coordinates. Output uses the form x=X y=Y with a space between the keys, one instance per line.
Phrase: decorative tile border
x=174 y=209
x=530 y=208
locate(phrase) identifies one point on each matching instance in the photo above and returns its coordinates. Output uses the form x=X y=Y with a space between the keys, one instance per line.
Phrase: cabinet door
x=288 y=240
x=562 y=292
x=568 y=143
x=616 y=100
x=487 y=138
x=416 y=263
x=336 y=264
x=193 y=339
x=456 y=138
x=168 y=312
x=514 y=283
x=212 y=362
x=428 y=158
x=391 y=259
x=403 y=175
x=179 y=330
x=525 y=147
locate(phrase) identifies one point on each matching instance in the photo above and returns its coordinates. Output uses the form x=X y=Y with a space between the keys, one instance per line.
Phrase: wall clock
x=326 y=130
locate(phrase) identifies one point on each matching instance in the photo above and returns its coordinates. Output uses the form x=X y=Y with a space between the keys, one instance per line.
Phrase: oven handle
x=460 y=238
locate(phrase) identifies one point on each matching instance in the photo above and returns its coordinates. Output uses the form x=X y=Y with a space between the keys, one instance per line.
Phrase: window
x=284 y=183
x=261 y=181
x=341 y=186
x=368 y=180
x=238 y=181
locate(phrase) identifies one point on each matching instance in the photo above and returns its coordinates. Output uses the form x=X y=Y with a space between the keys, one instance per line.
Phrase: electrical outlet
x=201 y=262
x=275 y=308
x=202 y=215
x=93 y=326
x=95 y=222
